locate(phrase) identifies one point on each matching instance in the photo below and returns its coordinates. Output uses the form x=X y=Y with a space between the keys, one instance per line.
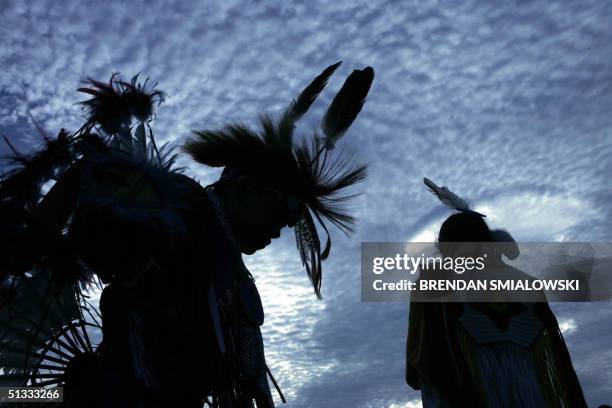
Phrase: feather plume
x=309 y=246
x=140 y=98
x=225 y=147
x=328 y=179
x=24 y=183
x=346 y=105
x=113 y=104
x=447 y=197
x=302 y=103
x=106 y=106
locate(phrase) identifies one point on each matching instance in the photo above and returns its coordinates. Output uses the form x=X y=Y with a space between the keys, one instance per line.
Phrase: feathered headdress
x=305 y=171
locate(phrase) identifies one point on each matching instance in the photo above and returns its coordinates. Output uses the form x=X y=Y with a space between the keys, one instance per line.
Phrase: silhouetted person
x=487 y=354
x=181 y=314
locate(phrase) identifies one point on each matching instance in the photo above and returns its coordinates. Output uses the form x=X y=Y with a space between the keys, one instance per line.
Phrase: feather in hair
x=447 y=197
x=305 y=171
x=309 y=246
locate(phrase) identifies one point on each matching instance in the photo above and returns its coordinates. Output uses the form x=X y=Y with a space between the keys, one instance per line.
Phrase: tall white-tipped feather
x=449 y=198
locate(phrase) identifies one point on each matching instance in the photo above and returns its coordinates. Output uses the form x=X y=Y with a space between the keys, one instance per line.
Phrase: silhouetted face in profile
x=257 y=212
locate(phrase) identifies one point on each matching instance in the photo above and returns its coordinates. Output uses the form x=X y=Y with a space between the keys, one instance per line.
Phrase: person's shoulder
x=195 y=201
x=188 y=186
x=186 y=180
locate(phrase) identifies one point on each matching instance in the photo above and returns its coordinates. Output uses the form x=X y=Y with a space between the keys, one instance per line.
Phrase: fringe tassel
x=509 y=377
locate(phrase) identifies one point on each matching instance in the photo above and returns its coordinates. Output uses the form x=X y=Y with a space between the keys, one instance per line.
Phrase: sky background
x=507 y=103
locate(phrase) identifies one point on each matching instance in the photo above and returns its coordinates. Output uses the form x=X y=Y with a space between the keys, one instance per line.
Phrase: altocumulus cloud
x=508 y=103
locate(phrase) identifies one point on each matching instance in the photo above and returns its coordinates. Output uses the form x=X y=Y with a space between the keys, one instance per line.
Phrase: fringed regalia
x=489 y=355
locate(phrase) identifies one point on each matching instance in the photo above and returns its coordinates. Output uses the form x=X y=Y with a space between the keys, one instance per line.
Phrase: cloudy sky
x=508 y=103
